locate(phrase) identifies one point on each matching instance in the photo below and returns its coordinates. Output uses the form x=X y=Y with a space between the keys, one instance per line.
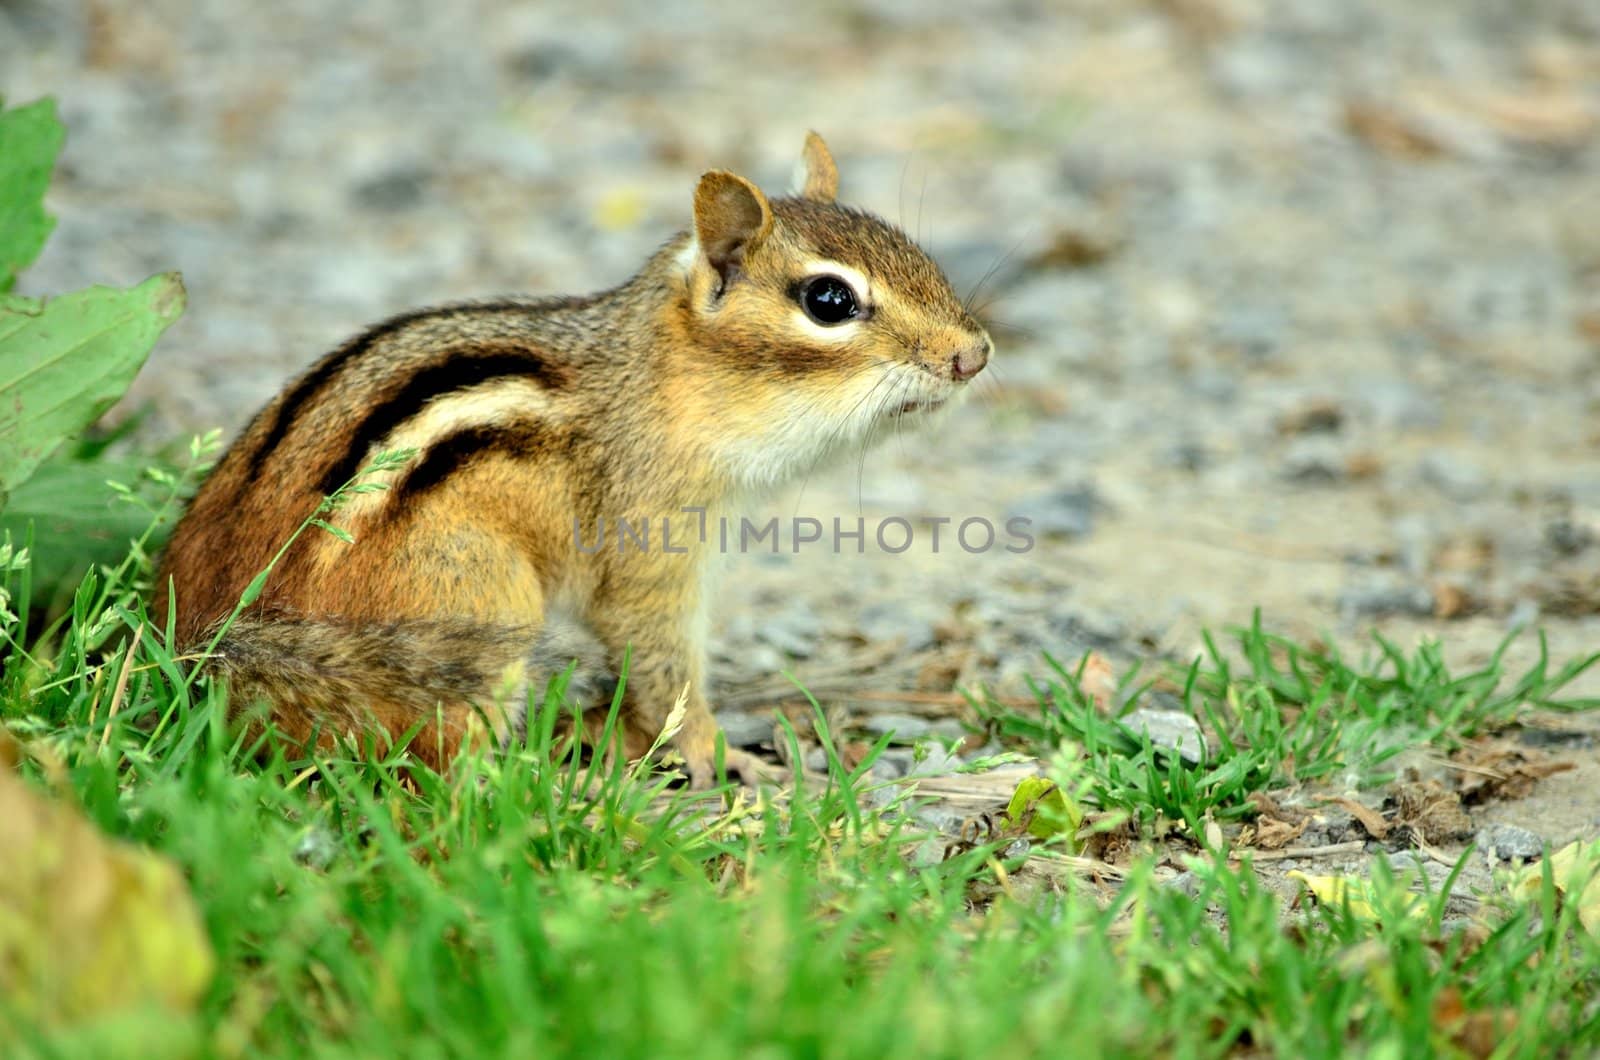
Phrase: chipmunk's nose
x=970 y=359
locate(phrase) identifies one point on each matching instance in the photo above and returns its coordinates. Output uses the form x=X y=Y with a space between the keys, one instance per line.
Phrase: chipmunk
x=750 y=347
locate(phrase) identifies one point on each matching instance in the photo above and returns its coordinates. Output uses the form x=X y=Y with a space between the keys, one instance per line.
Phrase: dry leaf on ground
x=1432 y=809
x=1575 y=870
x=1497 y=769
x=90 y=926
x=1270 y=833
x=1360 y=896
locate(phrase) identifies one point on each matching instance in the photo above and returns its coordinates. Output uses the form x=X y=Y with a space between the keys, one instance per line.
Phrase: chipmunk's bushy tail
x=324 y=677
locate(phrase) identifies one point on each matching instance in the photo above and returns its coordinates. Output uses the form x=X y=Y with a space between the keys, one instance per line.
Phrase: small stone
x=1409 y=861
x=1314 y=462
x=542 y=61
x=1190 y=456
x=1065 y=512
x=1320 y=415
x=893 y=764
x=745 y=729
x=1256 y=331
x=1380 y=597
x=1172 y=729
x=877 y=798
x=1510 y=842
x=907 y=728
x=1453 y=476
x=1524 y=614
x=1394 y=403
x=938 y=819
x=1567 y=538
x=1330 y=825
x=392 y=191
x=762 y=659
x=1017 y=848
x=886 y=621
x=795 y=632
x=1213 y=385
x=1185 y=882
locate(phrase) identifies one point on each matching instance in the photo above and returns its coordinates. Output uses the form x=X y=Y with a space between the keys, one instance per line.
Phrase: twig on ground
x=1354 y=846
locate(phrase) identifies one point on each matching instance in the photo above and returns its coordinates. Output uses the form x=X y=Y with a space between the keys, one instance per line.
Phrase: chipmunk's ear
x=731 y=217
x=819 y=179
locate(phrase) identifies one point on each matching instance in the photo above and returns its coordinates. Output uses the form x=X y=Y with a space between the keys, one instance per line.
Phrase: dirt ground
x=1297 y=303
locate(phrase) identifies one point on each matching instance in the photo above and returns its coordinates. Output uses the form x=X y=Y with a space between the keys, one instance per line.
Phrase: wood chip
x=1551 y=117
x=1099 y=682
x=1370 y=819
x=1391 y=131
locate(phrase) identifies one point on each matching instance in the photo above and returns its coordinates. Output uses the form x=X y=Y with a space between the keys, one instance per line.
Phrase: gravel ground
x=1298 y=303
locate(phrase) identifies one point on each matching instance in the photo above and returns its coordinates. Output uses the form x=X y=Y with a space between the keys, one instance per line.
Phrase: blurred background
x=1297 y=301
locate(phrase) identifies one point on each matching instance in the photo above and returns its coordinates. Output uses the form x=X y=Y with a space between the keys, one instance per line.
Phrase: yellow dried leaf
x=90 y=927
x=1360 y=896
x=1575 y=870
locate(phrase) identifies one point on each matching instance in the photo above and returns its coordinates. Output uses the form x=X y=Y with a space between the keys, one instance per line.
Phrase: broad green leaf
x=66 y=360
x=30 y=138
x=77 y=519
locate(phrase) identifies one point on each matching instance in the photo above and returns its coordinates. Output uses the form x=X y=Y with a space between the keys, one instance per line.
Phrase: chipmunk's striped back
x=454 y=384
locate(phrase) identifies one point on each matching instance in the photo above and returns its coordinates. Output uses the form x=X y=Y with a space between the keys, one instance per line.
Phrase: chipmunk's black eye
x=829 y=300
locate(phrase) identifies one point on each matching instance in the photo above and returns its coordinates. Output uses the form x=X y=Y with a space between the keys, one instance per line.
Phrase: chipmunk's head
x=816 y=324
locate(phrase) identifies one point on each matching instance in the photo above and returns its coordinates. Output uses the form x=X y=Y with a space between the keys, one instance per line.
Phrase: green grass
x=1275 y=714
x=538 y=904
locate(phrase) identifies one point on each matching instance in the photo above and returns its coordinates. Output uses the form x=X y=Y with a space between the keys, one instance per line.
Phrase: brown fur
x=694 y=383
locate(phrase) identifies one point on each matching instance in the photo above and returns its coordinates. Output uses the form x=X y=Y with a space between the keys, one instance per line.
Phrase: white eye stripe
x=824 y=333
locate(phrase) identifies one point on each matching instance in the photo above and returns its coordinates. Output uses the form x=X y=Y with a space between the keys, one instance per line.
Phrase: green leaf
x=1043 y=809
x=78 y=520
x=65 y=361
x=30 y=138
x=338 y=532
x=252 y=592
